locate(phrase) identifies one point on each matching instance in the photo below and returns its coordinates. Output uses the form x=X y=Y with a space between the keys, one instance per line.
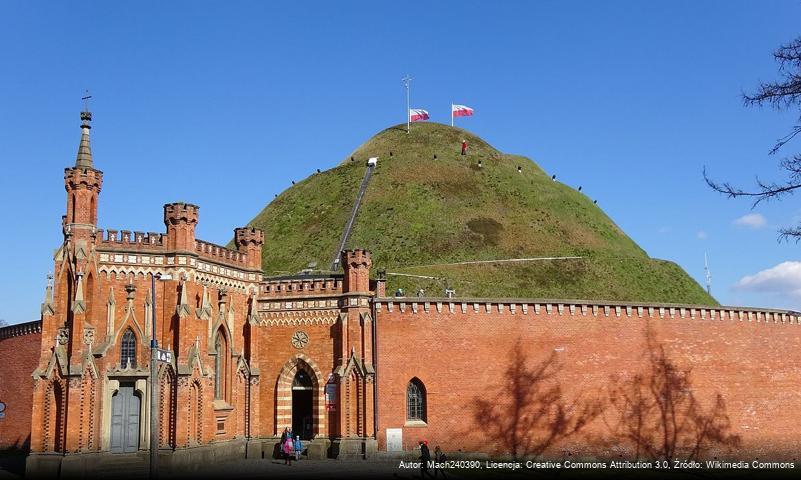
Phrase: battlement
x=130 y=238
x=579 y=308
x=180 y=213
x=301 y=286
x=221 y=254
x=356 y=264
x=76 y=178
x=358 y=257
x=21 y=329
x=248 y=236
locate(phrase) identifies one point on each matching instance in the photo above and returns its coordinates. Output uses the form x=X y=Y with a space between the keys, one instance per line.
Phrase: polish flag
x=461 y=111
x=417 y=114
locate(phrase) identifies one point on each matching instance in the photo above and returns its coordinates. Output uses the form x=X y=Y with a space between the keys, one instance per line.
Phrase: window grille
x=128 y=350
x=416 y=401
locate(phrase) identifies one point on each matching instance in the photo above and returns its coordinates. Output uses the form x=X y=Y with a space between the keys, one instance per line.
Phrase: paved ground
x=328 y=469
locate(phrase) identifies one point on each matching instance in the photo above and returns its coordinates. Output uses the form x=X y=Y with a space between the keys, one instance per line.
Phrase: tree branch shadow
x=656 y=415
x=529 y=414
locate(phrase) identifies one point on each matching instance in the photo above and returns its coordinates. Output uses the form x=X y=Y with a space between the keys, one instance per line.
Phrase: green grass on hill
x=420 y=210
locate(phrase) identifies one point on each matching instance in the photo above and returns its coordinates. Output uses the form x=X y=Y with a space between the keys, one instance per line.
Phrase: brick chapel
x=357 y=373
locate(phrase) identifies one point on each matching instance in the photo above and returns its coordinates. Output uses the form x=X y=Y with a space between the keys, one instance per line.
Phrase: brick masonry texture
x=19 y=354
x=463 y=358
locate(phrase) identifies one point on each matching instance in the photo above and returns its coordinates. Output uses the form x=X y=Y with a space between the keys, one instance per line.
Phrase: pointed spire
x=48 y=307
x=84 y=159
x=182 y=309
x=79 y=306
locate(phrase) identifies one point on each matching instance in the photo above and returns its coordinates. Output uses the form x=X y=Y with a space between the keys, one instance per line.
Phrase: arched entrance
x=302 y=405
x=299 y=400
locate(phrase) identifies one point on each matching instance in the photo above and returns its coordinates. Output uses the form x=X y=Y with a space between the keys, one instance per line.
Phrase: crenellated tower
x=181 y=220
x=357 y=263
x=249 y=241
x=356 y=371
x=83 y=183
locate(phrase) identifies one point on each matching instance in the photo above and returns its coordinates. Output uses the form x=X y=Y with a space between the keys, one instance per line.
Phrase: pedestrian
x=464 y=147
x=439 y=459
x=289 y=450
x=298 y=447
x=425 y=457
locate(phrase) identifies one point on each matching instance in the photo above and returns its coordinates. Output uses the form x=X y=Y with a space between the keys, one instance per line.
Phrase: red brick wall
x=755 y=367
x=19 y=356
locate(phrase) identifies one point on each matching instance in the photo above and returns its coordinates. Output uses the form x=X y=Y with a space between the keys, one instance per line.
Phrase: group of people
x=291 y=446
x=425 y=457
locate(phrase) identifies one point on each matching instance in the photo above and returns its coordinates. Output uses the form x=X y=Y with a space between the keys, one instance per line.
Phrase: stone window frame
x=416 y=403
x=128 y=349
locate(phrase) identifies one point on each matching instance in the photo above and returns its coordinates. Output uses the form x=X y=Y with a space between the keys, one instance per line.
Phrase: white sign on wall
x=394 y=439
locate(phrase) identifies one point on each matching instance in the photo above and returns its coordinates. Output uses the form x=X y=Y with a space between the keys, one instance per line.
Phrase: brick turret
x=357 y=263
x=180 y=219
x=83 y=183
x=249 y=241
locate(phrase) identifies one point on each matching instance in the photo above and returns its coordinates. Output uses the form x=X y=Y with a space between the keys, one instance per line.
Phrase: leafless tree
x=783 y=94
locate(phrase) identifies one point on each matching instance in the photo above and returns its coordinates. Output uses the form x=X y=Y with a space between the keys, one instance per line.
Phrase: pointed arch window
x=416 y=401
x=128 y=349
x=220 y=367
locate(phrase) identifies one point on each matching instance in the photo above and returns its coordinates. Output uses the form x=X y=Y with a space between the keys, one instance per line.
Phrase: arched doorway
x=288 y=408
x=302 y=405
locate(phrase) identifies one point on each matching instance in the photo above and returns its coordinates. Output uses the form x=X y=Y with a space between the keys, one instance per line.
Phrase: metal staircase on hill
x=349 y=225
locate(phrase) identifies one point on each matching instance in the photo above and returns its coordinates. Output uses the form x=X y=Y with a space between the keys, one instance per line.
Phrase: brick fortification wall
x=19 y=355
x=580 y=381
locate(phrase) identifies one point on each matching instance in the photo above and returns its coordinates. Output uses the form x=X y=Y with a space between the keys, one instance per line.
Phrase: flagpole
x=451 y=114
x=407 y=80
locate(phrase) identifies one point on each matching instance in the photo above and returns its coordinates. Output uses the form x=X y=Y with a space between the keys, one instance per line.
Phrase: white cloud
x=783 y=279
x=751 y=220
x=664 y=230
x=701 y=235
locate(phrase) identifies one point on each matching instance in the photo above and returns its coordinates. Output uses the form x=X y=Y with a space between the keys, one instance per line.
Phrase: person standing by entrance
x=298 y=447
x=289 y=450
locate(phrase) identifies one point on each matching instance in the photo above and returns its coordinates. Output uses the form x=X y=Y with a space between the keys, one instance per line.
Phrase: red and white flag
x=461 y=111
x=417 y=114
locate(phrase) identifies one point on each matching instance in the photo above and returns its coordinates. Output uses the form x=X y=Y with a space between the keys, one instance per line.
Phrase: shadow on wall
x=12 y=459
x=654 y=414
x=529 y=413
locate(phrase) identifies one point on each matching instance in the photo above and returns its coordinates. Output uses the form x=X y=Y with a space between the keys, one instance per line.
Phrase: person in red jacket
x=464 y=147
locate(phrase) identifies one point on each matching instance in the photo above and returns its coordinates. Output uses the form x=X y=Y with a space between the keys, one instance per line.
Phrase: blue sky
x=224 y=103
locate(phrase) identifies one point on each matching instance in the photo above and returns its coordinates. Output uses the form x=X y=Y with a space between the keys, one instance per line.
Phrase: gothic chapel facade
x=236 y=366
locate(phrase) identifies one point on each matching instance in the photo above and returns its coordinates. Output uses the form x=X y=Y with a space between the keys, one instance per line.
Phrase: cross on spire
x=84 y=159
x=85 y=99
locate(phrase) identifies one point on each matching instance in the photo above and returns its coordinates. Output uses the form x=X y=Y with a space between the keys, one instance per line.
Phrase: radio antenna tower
x=708 y=275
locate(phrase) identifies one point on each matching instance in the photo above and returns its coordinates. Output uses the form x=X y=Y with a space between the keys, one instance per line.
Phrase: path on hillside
x=343 y=240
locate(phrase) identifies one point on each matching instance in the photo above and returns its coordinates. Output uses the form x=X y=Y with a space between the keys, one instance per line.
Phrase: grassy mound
x=427 y=207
